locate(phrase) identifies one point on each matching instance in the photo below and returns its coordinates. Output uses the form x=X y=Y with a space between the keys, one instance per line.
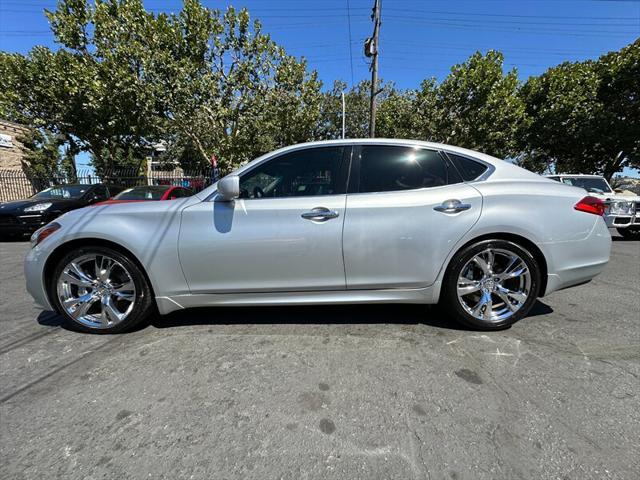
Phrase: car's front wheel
x=100 y=290
x=630 y=233
x=491 y=284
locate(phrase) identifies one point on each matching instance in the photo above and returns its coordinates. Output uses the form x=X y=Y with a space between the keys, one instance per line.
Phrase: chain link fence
x=15 y=184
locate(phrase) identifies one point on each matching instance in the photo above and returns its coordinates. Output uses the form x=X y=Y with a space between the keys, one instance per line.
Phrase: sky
x=418 y=38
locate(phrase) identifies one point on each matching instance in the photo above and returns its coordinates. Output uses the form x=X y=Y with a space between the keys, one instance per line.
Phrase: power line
x=561 y=32
x=505 y=15
x=350 y=40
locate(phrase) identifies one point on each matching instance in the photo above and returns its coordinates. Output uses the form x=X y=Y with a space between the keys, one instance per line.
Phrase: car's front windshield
x=590 y=184
x=142 y=193
x=63 y=191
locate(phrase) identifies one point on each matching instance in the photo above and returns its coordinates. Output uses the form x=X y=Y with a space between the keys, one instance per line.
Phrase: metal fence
x=15 y=184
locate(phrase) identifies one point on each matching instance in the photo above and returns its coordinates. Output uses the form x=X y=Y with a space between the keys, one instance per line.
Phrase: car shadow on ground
x=295 y=315
x=622 y=239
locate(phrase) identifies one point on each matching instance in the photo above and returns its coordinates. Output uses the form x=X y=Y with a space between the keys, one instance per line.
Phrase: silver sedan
x=351 y=221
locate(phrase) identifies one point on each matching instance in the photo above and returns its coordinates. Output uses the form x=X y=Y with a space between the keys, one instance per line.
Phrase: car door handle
x=320 y=214
x=452 y=206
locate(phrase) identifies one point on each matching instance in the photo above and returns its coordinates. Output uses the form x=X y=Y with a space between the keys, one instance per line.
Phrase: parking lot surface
x=327 y=392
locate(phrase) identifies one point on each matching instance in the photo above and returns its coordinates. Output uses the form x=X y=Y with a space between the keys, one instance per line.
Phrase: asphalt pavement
x=355 y=392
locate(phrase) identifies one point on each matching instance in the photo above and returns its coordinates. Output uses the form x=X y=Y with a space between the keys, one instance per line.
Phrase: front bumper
x=34 y=264
x=25 y=223
x=622 y=221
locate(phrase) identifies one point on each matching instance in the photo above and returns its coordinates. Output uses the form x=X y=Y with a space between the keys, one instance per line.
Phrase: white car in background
x=622 y=211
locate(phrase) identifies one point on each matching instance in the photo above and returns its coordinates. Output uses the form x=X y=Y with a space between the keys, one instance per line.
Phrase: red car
x=147 y=193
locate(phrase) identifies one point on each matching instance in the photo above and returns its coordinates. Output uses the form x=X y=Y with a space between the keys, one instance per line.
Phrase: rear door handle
x=452 y=206
x=320 y=214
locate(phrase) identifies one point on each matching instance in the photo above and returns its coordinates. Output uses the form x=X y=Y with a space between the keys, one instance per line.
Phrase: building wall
x=10 y=148
x=13 y=182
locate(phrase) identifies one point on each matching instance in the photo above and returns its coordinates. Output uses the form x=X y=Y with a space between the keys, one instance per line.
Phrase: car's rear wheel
x=491 y=284
x=630 y=233
x=100 y=290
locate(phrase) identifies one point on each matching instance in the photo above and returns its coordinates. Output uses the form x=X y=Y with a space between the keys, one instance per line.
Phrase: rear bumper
x=577 y=262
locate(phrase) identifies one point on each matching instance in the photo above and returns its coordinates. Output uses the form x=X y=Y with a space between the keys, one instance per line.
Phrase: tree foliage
x=124 y=78
x=205 y=82
x=585 y=116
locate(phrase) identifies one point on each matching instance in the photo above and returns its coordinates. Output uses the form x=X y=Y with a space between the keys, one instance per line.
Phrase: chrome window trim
x=412 y=190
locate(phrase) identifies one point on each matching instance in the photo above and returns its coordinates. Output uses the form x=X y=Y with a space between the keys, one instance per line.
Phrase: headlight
x=42 y=233
x=38 y=207
x=621 y=208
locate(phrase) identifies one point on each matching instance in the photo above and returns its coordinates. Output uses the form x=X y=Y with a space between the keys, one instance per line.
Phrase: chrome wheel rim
x=96 y=291
x=494 y=285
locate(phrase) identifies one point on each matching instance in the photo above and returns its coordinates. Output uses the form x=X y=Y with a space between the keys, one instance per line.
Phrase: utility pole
x=371 y=50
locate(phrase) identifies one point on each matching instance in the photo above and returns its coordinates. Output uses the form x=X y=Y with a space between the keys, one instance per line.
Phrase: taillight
x=591 y=205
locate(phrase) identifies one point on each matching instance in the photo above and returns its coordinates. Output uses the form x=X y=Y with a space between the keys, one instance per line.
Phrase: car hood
x=20 y=205
x=113 y=201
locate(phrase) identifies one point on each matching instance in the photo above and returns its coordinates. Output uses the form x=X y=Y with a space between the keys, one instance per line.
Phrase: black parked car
x=26 y=216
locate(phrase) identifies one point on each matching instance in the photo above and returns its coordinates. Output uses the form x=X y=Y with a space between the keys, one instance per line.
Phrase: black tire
x=629 y=233
x=450 y=303
x=144 y=303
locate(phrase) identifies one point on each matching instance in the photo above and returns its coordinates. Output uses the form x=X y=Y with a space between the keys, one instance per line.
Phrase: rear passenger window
x=469 y=169
x=386 y=168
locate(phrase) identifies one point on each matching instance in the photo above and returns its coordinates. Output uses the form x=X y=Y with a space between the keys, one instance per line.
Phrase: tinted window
x=180 y=193
x=100 y=193
x=469 y=169
x=142 y=193
x=590 y=184
x=313 y=171
x=114 y=190
x=63 y=191
x=387 y=168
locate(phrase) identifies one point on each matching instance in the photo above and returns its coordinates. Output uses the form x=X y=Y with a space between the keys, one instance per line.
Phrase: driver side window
x=308 y=172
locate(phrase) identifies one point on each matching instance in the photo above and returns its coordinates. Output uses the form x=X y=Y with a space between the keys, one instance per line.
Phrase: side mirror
x=229 y=187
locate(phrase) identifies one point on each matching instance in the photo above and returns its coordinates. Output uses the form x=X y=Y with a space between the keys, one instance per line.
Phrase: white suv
x=623 y=211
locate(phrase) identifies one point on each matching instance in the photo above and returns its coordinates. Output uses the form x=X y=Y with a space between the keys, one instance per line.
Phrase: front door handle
x=320 y=214
x=452 y=206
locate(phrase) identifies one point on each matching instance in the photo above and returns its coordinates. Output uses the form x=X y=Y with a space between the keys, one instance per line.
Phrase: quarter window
x=309 y=172
x=385 y=168
x=469 y=169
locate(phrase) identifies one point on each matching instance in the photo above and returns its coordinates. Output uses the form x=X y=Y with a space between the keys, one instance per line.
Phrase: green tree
x=584 y=117
x=124 y=78
x=397 y=115
x=477 y=106
x=227 y=87
x=91 y=91
x=357 y=105
x=42 y=152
